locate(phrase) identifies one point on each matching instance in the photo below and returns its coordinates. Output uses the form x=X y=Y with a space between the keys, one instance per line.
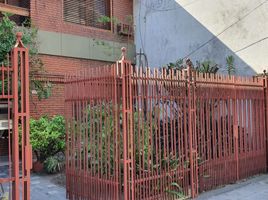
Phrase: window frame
x=109 y=30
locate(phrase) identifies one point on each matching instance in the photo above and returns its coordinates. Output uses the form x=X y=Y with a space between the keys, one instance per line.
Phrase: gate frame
x=21 y=113
x=265 y=90
x=128 y=146
x=191 y=86
x=123 y=85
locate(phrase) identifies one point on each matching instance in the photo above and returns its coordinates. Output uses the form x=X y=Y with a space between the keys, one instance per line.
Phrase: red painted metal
x=232 y=137
x=15 y=93
x=135 y=133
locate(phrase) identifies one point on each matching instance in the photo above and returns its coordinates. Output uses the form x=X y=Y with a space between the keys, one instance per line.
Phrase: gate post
x=265 y=88
x=15 y=128
x=191 y=84
x=235 y=128
x=128 y=142
x=21 y=113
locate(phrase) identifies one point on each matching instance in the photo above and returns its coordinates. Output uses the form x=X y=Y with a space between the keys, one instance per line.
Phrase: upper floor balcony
x=19 y=8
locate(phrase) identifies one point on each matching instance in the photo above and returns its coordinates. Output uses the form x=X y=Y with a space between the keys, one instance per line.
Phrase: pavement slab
x=255 y=188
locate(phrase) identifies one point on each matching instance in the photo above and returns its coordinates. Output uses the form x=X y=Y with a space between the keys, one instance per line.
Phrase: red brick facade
x=58 y=65
x=48 y=16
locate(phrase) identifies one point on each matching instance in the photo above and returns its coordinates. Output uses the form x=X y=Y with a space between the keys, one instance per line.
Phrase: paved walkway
x=252 y=189
x=42 y=188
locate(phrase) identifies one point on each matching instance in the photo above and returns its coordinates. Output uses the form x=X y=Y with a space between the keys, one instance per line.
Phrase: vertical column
x=15 y=128
x=128 y=143
x=21 y=112
x=265 y=87
x=235 y=128
x=192 y=129
x=26 y=115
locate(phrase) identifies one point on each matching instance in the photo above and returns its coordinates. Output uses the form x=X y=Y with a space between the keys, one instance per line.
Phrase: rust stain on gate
x=14 y=98
x=135 y=133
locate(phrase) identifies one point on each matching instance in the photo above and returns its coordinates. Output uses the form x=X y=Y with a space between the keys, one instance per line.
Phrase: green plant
x=176 y=190
x=47 y=136
x=8 y=30
x=54 y=164
x=106 y=19
x=7 y=36
x=116 y=22
x=178 y=65
x=207 y=66
x=230 y=65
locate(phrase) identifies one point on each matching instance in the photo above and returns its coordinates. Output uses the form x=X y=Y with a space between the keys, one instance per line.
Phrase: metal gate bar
x=150 y=133
x=15 y=93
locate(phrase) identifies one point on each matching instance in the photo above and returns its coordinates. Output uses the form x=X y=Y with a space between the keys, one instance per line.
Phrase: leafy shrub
x=8 y=30
x=54 y=164
x=206 y=66
x=47 y=136
x=176 y=191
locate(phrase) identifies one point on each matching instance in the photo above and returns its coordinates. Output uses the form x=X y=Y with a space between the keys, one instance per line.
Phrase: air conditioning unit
x=124 y=29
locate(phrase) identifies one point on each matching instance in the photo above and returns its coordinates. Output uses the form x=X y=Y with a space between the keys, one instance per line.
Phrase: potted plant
x=47 y=137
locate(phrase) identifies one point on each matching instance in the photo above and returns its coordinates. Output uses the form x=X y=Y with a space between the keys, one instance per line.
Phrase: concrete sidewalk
x=42 y=186
x=252 y=189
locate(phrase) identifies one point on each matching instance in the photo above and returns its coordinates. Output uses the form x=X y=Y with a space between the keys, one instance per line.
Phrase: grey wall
x=167 y=30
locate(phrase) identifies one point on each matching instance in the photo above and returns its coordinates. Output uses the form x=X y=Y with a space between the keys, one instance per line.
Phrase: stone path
x=42 y=188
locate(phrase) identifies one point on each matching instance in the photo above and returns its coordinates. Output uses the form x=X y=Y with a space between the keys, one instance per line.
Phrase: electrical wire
x=224 y=30
x=252 y=44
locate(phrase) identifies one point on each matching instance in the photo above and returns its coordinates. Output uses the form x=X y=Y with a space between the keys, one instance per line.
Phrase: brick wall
x=48 y=15
x=58 y=65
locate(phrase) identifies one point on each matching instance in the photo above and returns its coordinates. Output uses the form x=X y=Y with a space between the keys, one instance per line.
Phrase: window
x=87 y=12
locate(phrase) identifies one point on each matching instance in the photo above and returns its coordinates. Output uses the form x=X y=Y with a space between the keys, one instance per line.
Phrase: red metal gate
x=14 y=83
x=135 y=133
x=230 y=129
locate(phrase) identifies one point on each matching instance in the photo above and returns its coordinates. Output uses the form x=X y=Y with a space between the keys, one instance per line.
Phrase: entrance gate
x=135 y=133
x=14 y=98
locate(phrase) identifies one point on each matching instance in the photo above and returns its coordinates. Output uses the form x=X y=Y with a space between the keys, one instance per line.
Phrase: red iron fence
x=135 y=133
x=14 y=119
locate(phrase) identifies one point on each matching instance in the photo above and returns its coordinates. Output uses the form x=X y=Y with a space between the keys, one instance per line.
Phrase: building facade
x=72 y=35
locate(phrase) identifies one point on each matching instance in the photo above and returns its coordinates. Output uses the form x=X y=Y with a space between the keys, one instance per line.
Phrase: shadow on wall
x=166 y=32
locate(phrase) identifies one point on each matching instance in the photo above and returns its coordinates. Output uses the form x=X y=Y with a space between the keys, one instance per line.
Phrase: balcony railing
x=17 y=7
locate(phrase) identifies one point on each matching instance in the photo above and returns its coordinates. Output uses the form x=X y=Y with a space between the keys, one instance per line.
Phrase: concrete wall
x=167 y=30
